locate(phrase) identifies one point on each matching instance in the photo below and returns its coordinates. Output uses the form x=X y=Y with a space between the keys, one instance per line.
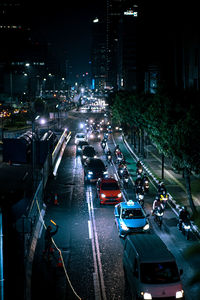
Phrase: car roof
x=150 y=248
x=131 y=204
x=108 y=180
x=88 y=147
x=83 y=143
x=96 y=161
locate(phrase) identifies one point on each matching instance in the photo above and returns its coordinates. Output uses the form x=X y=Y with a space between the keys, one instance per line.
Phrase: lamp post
x=34 y=176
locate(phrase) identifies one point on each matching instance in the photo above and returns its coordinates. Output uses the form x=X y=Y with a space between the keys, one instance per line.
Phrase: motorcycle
x=146 y=184
x=140 y=195
x=120 y=171
x=185 y=228
x=158 y=215
x=109 y=158
x=125 y=180
x=120 y=159
x=103 y=145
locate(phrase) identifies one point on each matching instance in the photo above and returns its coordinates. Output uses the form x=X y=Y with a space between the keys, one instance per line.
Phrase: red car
x=108 y=191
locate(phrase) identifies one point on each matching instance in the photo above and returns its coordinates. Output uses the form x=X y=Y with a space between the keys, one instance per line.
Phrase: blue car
x=130 y=218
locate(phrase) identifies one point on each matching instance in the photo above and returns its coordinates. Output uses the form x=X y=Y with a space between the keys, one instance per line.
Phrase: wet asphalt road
x=88 y=236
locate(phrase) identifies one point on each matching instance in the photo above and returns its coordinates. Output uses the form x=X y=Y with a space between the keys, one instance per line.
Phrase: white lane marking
x=90 y=229
x=99 y=285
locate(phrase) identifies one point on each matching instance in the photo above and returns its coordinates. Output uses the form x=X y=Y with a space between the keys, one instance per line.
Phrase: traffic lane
x=111 y=246
x=111 y=249
x=80 y=265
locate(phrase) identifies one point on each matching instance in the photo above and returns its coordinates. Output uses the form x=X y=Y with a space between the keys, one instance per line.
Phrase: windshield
x=132 y=213
x=155 y=273
x=110 y=186
x=80 y=136
x=89 y=152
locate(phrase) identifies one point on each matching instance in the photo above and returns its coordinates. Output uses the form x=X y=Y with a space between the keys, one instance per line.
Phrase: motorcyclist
x=161 y=187
x=138 y=164
x=103 y=143
x=184 y=216
x=138 y=181
x=117 y=150
x=157 y=203
x=121 y=168
x=139 y=167
x=145 y=181
x=108 y=154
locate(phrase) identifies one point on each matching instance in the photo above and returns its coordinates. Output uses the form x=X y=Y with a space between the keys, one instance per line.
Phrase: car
x=108 y=191
x=80 y=137
x=130 y=218
x=95 y=169
x=87 y=153
x=95 y=135
x=80 y=145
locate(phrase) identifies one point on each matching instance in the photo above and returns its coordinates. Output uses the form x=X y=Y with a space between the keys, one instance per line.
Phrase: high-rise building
x=22 y=61
x=98 y=54
x=123 y=44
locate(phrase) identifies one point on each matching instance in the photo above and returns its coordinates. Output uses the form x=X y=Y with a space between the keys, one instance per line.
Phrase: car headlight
x=103 y=196
x=141 y=197
x=95 y=156
x=84 y=157
x=146 y=227
x=119 y=195
x=123 y=226
x=179 y=294
x=105 y=173
x=91 y=136
x=79 y=148
x=90 y=173
x=146 y=295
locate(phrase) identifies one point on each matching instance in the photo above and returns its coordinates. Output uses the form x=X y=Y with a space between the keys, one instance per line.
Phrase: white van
x=151 y=269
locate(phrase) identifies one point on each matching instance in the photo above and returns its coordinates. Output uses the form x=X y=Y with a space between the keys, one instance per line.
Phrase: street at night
x=99 y=150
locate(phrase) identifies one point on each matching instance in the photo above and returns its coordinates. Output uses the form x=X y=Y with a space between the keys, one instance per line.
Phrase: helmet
x=157 y=198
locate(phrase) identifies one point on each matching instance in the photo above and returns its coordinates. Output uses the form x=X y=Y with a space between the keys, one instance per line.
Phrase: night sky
x=67 y=26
